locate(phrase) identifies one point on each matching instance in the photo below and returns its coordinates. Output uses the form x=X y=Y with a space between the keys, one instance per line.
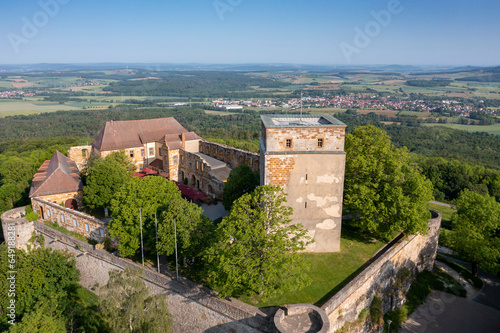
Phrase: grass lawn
x=446 y=212
x=329 y=271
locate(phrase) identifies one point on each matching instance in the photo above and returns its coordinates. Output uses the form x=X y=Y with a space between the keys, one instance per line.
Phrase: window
x=75 y=223
x=143 y=152
x=63 y=219
x=87 y=226
x=131 y=153
x=141 y=166
x=320 y=143
x=48 y=212
x=288 y=143
x=175 y=159
x=151 y=152
x=102 y=232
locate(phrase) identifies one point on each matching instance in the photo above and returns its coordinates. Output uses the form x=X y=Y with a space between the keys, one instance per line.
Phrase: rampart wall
x=228 y=154
x=197 y=309
x=416 y=253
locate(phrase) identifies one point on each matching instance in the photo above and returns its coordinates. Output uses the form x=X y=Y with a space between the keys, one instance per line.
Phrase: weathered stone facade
x=65 y=199
x=75 y=221
x=305 y=156
x=80 y=154
x=17 y=229
x=415 y=253
x=235 y=157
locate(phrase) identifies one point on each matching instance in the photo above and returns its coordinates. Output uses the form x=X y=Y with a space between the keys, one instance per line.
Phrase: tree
x=149 y=194
x=128 y=307
x=383 y=189
x=44 y=318
x=476 y=230
x=105 y=177
x=241 y=180
x=255 y=248
x=193 y=229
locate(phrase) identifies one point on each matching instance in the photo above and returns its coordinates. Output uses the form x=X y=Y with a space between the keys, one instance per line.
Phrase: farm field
x=8 y=108
x=491 y=129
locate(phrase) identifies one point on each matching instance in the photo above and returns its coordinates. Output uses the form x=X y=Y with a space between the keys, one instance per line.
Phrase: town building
x=305 y=156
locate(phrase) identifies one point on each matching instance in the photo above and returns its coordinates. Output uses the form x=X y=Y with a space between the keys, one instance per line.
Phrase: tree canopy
x=241 y=180
x=104 y=178
x=476 y=228
x=255 y=247
x=128 y=307
x=149 y=194
x=383 y=189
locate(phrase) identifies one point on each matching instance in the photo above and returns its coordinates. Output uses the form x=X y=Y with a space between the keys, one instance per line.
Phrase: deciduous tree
x=476 y=228
x=129 y=308
x=255 y=248
x=241 y=180
x=383 y=189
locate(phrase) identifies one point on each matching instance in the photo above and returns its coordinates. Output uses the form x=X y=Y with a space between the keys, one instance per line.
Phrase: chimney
x=183 y=138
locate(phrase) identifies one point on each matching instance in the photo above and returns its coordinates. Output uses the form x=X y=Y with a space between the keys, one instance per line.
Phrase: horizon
x=323 y=33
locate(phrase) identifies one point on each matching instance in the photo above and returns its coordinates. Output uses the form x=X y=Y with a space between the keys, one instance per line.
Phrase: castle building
x=167 y=147
x=305 y=156
x=58 y=180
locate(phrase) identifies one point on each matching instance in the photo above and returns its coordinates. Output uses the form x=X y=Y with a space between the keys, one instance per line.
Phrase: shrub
x=32 y=216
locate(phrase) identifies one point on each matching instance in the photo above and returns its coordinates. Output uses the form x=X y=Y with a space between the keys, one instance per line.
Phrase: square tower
x=305 y=156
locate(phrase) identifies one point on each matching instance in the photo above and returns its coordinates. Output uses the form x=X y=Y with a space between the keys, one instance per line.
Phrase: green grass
x=329 y=271
x=446 y=213
x=491 y=129
x=466 y=274
x=66 y=231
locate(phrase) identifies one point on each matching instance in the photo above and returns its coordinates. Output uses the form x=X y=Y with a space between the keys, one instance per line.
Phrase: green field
x=9 y=108
x=491 y=129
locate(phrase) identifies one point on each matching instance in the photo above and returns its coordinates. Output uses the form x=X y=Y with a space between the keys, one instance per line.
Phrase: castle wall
x=233 y=156
x=62 y=197
x=416 y=253
x=197 y=172
x=17 y=230
x=193 y=307
x=72 y=220
x=79 y=155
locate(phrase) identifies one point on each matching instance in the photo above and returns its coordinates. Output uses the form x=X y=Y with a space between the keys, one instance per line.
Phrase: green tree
x=241 y=180
x=385 y=191
x=476 y=230
x=149 y=194
x=126 y=304
x=255 y=248
x=193 y=229
x=104 y=178
x=44 y=318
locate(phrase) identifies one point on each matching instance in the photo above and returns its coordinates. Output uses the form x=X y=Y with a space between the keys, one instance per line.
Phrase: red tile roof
x=135 y=133
x=57 y=175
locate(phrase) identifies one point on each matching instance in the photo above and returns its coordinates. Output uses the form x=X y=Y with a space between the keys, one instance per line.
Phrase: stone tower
x=305 y=156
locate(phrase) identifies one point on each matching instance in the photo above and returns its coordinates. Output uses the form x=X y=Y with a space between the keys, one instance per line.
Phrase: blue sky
x=337 y=32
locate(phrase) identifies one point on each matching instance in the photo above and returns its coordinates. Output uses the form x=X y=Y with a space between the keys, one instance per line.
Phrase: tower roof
x=295 y=120
x=57 y=175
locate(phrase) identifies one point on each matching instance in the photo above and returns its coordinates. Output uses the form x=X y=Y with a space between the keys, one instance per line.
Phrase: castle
x=304 y=155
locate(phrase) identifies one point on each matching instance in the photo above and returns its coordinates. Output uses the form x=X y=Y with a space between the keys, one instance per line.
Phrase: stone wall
x=16 y=228
x=377 y=278
x=79 y=155
x=72 y=220
x=63 y=197
x=233 y=156
x=193 y=307
x=197 y=172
